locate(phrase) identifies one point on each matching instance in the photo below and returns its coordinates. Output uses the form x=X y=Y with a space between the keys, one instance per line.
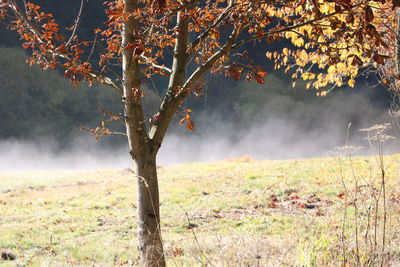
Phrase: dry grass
x=243 y=213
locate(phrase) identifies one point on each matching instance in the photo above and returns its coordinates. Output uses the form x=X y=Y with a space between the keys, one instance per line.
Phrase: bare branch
x=92 y=49
x=76 y=24
x=161 y=67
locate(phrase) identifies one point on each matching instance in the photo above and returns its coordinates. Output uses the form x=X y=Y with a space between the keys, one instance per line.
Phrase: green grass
x=246 y=213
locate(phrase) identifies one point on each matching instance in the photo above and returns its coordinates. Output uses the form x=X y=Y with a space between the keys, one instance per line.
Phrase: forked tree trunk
x=144 y=147
x=148 y=211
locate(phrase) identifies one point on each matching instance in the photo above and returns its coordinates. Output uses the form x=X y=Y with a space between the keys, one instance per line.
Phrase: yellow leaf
x=308 y=76
x=285 y=51
x=351 y=82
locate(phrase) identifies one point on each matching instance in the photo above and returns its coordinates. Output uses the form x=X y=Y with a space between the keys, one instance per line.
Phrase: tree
x=206 y=36
x=388 y=62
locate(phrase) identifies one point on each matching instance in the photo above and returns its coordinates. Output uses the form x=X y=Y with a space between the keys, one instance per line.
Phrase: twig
x=92 y=49
x=76 y=24
x=195 y=238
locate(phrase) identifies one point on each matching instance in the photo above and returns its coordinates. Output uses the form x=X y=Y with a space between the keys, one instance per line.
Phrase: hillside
x=228 y=213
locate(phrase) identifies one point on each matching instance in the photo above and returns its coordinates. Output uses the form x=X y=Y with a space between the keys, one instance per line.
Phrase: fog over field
x=286 y=127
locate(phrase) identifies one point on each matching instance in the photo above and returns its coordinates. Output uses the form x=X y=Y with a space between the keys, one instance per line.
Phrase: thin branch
x=25 y=8
x=161 y=67
x=209 y=63
x=76 y=24
x=220 y=19
x=92 y=49
x=155 y=88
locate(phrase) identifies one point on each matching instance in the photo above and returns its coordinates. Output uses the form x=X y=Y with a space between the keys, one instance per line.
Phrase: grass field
x=236 y=212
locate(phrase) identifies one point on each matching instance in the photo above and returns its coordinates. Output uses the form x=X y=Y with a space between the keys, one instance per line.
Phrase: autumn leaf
x=285 y=51
x=27 y=45
x=235 y=72
x=380 y=59
x=259 y=75
x=356 y=61
x=189 y=124
x=369 y=14
x=259 y=78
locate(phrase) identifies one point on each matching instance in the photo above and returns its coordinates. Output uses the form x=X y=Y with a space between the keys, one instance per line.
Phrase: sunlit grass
x=227 y=213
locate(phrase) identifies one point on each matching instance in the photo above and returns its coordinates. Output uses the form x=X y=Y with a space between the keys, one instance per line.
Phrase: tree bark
x=149 y=232
x=171 y=101
x=142 y=152
x=397 y=59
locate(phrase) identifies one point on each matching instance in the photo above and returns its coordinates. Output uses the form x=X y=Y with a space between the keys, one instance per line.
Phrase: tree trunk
x=397 y=59
x=149 y=232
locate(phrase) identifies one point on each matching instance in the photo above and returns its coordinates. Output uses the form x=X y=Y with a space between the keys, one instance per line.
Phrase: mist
x=285 y=126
